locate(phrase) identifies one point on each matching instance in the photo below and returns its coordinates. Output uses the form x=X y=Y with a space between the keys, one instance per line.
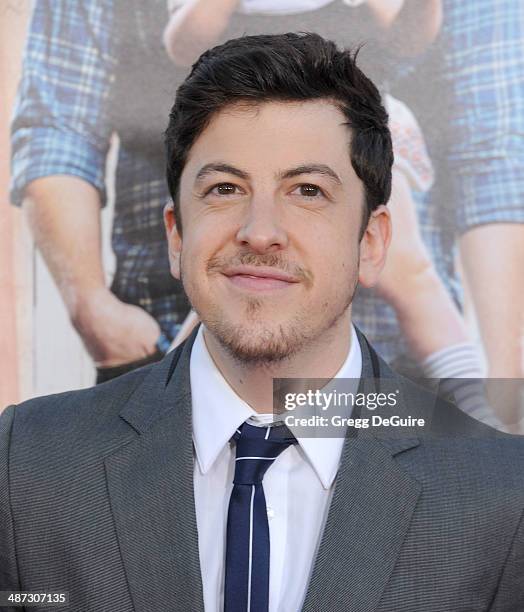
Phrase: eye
x=222 y=189
x=309 y=190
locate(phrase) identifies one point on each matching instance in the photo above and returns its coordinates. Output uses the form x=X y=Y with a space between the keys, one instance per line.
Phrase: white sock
x=459 y=369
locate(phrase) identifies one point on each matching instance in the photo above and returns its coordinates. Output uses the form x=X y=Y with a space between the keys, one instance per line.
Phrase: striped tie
x=247 y=551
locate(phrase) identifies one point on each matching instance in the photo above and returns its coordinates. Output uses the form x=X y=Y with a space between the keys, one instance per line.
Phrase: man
x=166 y=488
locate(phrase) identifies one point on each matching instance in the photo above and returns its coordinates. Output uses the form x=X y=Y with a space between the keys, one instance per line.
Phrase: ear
x=174 y=240
x=374 y=246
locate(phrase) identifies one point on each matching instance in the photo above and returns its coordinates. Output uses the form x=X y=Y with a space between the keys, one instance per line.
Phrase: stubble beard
x=260 y=345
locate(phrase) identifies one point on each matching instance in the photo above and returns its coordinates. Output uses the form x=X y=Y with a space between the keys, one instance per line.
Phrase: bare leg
x=493 y=262
x=429 y=319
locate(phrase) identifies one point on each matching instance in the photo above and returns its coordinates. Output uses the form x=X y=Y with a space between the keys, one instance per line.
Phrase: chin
x=257 y=343
x=258 y=333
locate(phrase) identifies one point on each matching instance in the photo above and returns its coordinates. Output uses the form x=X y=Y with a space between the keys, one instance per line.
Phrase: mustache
x=271 y=260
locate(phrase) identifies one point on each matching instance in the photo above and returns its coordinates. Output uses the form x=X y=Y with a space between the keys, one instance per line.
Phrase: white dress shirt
x=297 y=487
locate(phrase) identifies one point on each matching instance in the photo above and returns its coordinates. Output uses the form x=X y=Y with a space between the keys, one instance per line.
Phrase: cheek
x=192 y=263
x=337 y=250
x=202 y=241
x=198 y=236
x=339 y=263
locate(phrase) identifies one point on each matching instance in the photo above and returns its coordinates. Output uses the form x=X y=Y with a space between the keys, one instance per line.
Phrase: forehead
x=274 y=135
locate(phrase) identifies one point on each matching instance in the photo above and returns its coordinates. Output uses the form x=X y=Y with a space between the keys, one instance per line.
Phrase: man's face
x=271 y=211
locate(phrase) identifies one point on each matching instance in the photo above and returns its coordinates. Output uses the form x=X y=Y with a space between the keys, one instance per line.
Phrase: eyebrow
x=311 y=169
x=322 y=169
x=220 y=167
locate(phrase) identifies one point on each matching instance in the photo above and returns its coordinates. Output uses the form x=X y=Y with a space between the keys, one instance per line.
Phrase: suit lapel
x=370 y=512
x=150 y=483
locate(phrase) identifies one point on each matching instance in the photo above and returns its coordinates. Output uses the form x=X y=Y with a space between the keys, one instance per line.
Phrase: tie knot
x=257 y=449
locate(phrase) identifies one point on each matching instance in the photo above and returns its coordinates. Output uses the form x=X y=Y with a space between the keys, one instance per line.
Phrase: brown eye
x=224 y=189
x=309 y=190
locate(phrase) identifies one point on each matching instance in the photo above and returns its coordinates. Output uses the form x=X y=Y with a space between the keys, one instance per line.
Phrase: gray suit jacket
x=96 y=498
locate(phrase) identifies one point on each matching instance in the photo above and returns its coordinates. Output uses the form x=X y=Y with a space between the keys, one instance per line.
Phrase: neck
x=321 y=358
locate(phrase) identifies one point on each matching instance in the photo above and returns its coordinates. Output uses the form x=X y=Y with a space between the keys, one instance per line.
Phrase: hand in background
x=63 y=213
x=114 y=332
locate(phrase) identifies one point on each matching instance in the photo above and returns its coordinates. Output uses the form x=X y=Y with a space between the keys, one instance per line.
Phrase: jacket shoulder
x=465 y=445
x=74 y=415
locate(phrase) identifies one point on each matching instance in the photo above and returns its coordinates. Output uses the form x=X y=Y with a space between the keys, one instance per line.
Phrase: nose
x=262 y=228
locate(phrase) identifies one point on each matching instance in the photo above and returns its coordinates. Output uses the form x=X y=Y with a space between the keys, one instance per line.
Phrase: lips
x=259 y=278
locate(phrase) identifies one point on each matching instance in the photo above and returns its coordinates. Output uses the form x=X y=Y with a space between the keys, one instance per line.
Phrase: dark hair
x=283 y=67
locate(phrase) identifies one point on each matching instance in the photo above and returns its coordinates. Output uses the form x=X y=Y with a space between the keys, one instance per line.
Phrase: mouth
x=256 y=278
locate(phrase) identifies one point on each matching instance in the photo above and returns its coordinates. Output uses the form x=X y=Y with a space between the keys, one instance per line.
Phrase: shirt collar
x=218 y=411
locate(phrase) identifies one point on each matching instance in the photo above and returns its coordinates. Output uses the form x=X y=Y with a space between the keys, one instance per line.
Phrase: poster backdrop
x=87 y=292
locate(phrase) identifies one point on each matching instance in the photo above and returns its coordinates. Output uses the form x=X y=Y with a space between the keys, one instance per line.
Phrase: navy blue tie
x=247 y=550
